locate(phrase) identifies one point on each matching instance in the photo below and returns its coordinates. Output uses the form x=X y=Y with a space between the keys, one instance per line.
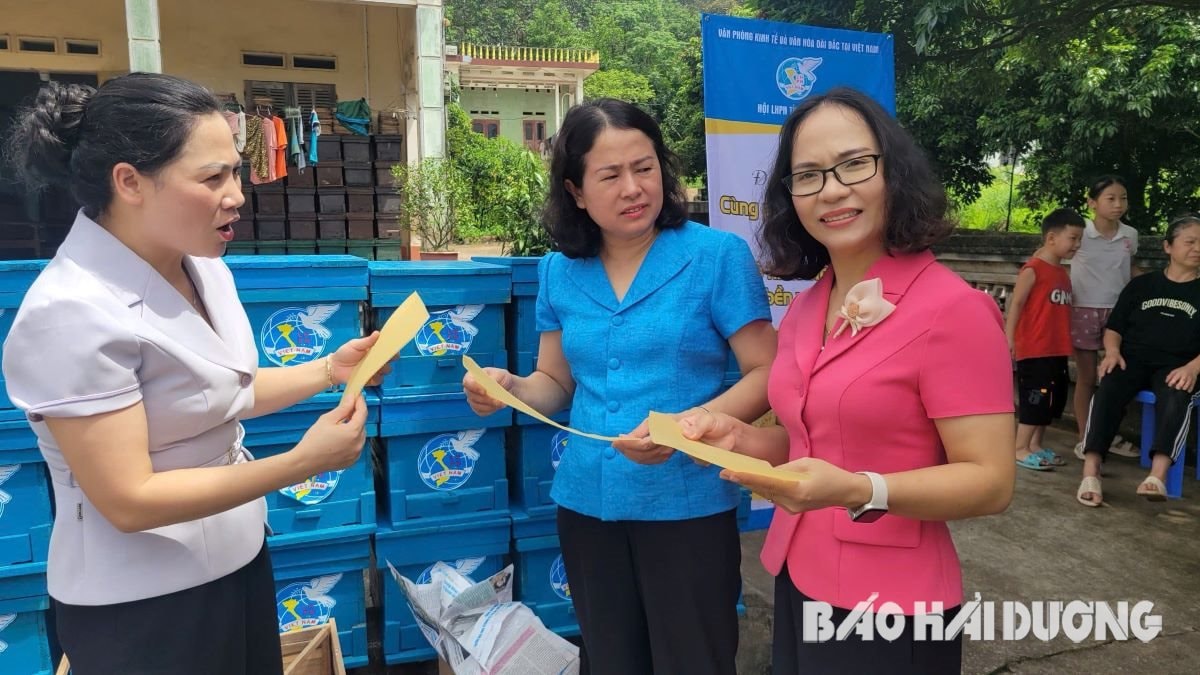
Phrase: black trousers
x=654 y=597
x=1172 y=409
x=226 y=626
x=791 y=655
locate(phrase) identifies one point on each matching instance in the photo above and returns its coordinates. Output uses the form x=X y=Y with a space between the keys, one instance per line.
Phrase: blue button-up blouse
x=663 y=347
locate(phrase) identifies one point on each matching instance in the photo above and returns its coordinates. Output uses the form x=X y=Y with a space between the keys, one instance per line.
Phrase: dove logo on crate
x=447 y=461
x=558 y=446
x=464 y=566
x=302 y=605
x=295 y=335
x=5 y=619
x=558 y=579
x=6 y=472
x=449 y=331
x=315 y=489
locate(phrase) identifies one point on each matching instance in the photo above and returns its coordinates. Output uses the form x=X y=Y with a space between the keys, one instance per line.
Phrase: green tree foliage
x=622 y=84
x=506 y=184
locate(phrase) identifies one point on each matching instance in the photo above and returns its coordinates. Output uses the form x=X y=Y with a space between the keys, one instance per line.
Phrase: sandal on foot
x=1051 y=457
x=1152 y=489
x=1033 y=461
x=1126 y=449
x=1089 y=484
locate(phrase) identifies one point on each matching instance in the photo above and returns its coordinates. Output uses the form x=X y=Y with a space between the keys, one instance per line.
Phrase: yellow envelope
x=664 y=430
x=504 y=396
x=401 y=327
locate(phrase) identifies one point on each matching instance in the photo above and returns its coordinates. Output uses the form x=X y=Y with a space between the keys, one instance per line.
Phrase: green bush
x=506 y=184
x=434 y=202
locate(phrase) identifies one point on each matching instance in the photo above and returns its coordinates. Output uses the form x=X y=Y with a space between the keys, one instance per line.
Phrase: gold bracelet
x=329 y=370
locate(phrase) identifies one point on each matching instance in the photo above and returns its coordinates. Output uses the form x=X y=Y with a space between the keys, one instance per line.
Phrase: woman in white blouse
x=134 y=361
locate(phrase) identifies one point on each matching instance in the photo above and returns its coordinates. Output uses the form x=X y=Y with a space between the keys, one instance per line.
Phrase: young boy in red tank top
x=1038 y=326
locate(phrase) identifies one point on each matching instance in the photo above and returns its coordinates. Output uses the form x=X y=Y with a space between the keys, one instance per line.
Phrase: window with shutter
x=280 y=95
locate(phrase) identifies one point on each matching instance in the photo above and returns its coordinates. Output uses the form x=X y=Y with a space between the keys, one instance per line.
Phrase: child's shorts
x=1041 y=390
x=1087 y=327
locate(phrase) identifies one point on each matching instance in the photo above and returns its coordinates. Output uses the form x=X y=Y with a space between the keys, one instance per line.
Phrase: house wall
x=511 y=104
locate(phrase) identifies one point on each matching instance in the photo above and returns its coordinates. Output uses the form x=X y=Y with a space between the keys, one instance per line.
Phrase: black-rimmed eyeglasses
x=850 y=172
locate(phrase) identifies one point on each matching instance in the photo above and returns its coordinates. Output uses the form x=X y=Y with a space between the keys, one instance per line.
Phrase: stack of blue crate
x=535 y=450
x=25 y=511
x=443 y=490
x=302 y=308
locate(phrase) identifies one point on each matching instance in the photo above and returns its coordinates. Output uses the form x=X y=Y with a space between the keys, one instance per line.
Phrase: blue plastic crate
x=16 y=276
x=440 y=459
x=329 y=499
x=534 y=453
x=27 y=580
x=288 y=425
x=24 y=640
x=301 y=307
x=466 y=302
x=321 y=574
x=25 y=511
x=523 y=336
x=536 y=521
x=475 y=544
x=542 y=583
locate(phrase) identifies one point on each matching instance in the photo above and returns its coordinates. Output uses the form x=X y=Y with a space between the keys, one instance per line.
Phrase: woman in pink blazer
x=893 y=386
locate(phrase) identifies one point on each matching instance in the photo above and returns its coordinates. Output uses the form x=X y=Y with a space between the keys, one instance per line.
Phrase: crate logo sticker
x=6 y=472
x=295 y=335
x=558 y=446
x=464 y=566
x=558 y=579
x=5 y=619
x=314 y=489
x=302 y=605
x=448 y=460
x=449 y=331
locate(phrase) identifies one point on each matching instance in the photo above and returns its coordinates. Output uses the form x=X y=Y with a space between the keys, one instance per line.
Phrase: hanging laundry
x=355 y=116
x=268 y=126
x=314 y=125
x=256 y=150
x=281 y=145
x=295 y=133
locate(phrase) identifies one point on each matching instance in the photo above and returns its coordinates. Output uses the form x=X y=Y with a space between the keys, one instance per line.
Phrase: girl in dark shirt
x=1152 y=341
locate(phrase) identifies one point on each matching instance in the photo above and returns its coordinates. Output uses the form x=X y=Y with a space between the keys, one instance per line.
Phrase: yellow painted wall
x=102 y=20
x=204 y=41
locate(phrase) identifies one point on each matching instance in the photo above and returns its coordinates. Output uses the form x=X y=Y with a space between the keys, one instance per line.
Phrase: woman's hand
x=820 y=485
x=336 y=439
x=1183 y=378
x=478 y=398
x=1112 y=360
x=716 y=429
x=343 y=362
x=637 y=446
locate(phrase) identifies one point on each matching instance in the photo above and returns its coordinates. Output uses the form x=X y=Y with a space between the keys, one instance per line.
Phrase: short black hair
x=916 y=202
x=1102 y=183
x=75 y=134
x=1060 y=219
x=572 y=230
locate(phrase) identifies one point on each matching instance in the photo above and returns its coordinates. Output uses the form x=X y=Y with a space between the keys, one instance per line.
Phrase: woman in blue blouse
x=638 y=311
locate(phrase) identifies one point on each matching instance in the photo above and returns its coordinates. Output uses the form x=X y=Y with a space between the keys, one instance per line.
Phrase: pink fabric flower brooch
x=864 y=306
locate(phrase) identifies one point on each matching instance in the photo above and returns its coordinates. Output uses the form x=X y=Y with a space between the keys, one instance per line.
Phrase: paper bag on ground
x=477 y=629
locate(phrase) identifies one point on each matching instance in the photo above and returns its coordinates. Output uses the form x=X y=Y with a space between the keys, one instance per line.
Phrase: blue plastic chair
x=1175 y=474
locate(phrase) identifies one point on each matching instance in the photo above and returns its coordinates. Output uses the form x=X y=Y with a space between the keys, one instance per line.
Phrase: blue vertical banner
x=755 y=74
